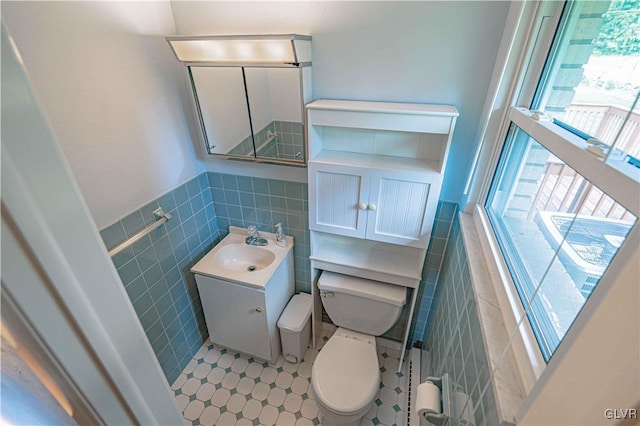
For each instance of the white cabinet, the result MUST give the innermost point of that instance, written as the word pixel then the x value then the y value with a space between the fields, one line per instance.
pixel 376 168
pixel 375 174
pixel 243 318
pixel 237 316
pixel 378 204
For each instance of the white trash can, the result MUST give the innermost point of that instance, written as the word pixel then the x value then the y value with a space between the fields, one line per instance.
pixel 295 327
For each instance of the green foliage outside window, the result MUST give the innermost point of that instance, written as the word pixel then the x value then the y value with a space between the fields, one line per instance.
pixel 620 32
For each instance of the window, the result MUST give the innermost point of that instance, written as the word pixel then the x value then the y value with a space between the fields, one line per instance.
pixel 592 79
pixel 558 232
pixel 562 201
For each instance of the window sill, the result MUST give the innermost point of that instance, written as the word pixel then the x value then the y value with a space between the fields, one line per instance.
pixel 506 378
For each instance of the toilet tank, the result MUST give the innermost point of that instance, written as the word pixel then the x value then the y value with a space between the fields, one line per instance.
pixel 358 304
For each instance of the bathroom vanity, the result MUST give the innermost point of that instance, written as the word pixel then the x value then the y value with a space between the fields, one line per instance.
pixel 244 289
pixel 375 174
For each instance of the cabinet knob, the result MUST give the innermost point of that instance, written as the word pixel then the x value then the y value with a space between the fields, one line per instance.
pixel 258 309
pixel 372 207
pixel 362 206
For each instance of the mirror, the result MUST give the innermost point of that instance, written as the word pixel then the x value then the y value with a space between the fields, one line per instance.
pixel 251 112
pixel 275 103
pixel 222 107
pixel 249 92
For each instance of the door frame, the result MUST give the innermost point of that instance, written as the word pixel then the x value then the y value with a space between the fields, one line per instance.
pixel 58 273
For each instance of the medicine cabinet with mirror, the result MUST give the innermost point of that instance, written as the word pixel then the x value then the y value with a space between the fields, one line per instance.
pixel 249 93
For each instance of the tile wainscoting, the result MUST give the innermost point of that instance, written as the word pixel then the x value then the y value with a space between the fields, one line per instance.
pixel 422 320
pixel 455 341
pixel 155 270
pixel 243 201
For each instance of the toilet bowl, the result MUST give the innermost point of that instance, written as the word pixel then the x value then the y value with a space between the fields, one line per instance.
pixel 345 376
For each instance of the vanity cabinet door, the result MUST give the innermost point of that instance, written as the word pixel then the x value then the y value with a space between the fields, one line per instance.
pixel 340 194
pixel 401 207
pixel 237 316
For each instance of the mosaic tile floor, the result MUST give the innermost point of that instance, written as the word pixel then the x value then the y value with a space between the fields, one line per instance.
pixel 221 387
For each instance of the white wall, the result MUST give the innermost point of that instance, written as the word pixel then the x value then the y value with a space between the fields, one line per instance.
pixel 431 52
pixel 286 93
pixel 114 95
pixel 274 94
pixel 259 98
pixel 120 105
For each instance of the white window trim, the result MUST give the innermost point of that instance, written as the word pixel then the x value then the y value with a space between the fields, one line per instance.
pixel 528 37
pixel 525 347
pixel 507 383
pixel 613 177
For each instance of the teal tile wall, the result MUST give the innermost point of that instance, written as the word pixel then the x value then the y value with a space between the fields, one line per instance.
pixel 445 213
pixel 269 149
pixel 290 139
pixel 243 148
pixel 155 270
pixel 287 144
pixel 266 146
pixel 243 201
pixel 454 336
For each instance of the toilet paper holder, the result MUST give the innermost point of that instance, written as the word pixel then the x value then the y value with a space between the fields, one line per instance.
pixel 443 383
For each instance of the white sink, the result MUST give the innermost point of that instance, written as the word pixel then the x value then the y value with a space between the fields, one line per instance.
pixel 243 257
pixel 233 260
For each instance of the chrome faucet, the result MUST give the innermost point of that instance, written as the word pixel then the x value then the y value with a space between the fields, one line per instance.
pixel 254 238
pixel 281 239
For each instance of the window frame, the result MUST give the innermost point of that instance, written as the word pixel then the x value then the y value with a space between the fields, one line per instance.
pixel 520 69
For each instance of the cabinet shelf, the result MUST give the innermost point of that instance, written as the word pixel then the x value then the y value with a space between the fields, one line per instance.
pixel 368 259
pixel 386 107
pixel 384 162
pixel 404 117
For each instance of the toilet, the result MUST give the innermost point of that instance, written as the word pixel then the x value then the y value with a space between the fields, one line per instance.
pixel 345 377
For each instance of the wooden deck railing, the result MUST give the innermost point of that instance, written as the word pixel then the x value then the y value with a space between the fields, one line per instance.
pixel 564 190
pixel 604 122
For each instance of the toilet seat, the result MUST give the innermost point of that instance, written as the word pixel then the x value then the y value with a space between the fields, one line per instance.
pixel 345 376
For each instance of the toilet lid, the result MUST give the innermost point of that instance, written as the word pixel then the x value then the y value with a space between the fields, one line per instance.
pixel 345 375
